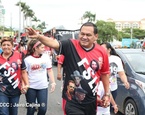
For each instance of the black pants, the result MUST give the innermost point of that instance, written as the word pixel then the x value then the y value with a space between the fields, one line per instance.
pixel 80 109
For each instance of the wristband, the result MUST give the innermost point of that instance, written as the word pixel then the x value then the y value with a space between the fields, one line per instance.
pixel 107 94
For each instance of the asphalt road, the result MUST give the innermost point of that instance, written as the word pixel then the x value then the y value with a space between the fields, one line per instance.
pixel 54 101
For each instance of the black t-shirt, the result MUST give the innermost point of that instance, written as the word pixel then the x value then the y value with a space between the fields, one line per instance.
pixel 10 74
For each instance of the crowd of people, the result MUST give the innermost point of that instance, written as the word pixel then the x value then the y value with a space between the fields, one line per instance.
pixel 89 73
pixel 24 70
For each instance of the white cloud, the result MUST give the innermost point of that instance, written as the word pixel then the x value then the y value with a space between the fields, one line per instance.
pixel 66 12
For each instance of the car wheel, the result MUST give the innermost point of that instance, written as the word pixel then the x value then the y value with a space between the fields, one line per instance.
pixel 130 108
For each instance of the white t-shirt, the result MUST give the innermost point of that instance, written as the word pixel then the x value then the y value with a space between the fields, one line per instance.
pixel 115 67
pixel 102 110
pixel 37 71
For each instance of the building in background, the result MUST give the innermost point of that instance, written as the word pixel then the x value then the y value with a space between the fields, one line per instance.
pixel 120 25
pixel 2 13
pixel 2 18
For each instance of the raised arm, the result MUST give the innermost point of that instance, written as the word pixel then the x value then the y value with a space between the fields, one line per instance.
pixel 50 42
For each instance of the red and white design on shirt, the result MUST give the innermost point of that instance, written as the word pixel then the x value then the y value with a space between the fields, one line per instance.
pixel 60 59
pixel 79 59
pixel 10 73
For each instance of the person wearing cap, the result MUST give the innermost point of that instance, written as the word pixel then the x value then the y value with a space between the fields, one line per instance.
pixel 78 55
pixel 80 94
pixel 77 78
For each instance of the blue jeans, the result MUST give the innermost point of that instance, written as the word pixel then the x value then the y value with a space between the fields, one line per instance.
pixel 114 94
pixel 8 105
pixel 41 96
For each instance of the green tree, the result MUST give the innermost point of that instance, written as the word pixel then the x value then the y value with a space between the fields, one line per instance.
pixel 119 36
pixel 88 15
pixel 35 19
pixel 106 31
pixel 138 33
pixel 27 12
pixel 22 5
pixel 24 10
pixel 41 26
pixel 29 15
pixel 4 28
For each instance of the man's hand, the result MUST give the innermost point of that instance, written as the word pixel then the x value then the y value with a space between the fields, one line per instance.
pixel 106 100
pixel 24 89
pixel 59 76
pixel 31 33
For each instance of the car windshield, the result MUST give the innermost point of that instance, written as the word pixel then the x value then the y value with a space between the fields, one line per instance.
pixel 137 62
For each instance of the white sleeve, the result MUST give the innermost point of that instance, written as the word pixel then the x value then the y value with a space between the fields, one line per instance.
pixel 26 63
pixel 120 66
pixel 48 61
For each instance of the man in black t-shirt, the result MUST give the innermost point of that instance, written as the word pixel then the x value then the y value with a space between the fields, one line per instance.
pixel 78 56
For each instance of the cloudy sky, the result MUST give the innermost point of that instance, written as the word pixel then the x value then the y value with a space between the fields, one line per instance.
pixel 68 12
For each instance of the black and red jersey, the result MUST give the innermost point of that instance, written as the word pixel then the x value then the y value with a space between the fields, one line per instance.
pixel 60 59
pixel 78 68
pixel 10 74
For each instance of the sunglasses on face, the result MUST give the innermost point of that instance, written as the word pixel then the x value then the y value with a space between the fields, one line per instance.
pixel 71 87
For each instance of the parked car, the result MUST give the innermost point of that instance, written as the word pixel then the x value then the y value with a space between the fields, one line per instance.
pixel 132 101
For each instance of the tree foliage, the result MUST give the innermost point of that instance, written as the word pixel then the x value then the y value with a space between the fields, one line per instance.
pixel 89 16
pixel 106 31
pixel 27 12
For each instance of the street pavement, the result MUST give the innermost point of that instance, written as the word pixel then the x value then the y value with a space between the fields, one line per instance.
pixel 54 100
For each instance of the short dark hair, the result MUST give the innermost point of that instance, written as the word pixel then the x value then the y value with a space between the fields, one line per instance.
pixel 70 81
pixel 7 39
pixel 91 24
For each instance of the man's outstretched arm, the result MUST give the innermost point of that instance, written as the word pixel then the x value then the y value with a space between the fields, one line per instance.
pixel 50 42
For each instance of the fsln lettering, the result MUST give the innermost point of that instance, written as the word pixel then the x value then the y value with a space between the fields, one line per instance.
pixel 82 62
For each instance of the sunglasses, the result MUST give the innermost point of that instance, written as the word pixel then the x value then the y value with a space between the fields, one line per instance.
pixel 71 87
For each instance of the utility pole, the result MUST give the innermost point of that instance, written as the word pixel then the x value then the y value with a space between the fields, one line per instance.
pixel 11 24
pixel 131 32
pixel 19 21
